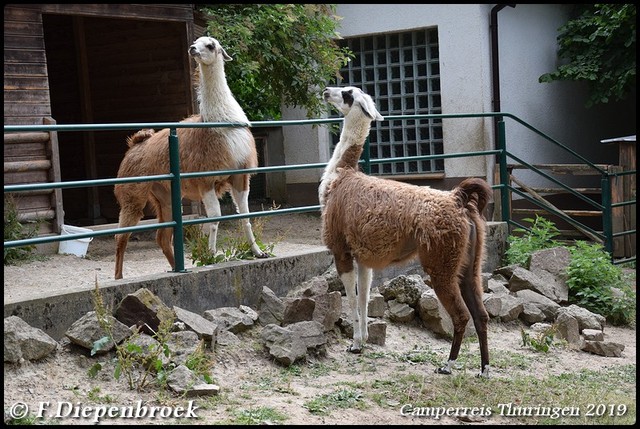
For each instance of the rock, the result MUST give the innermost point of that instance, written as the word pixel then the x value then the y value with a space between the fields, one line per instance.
pixel 183 381
pixel 376 305
pixel 536 307
pixel 400 312
pixel 603 348
pixel 586 319
pixel 145 310
pixel 298 310
pixel 291 343
pixel 22 341
pixel 270 308
pixel 568 328
pixel 232 319
pixel 593 335
pixel 404 289
pixel 205 329
pixel 541 282
pixel 87 330
pixel 327 309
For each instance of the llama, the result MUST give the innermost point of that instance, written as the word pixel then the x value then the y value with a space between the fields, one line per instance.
pixel 379 222
pixel 201 149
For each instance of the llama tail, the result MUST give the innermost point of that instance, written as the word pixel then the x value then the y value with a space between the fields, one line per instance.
pixel 474 194
pixel 139 137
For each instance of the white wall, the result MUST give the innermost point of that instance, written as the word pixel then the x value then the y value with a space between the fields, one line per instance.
pixel 527 49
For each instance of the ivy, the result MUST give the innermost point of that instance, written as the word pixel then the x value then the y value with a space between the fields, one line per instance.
pixel 599 47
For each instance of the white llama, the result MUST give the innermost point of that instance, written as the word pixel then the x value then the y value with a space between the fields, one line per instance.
pixel 201 149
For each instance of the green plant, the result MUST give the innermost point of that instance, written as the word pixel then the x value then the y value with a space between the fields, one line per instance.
pixel 231 248
pixel 258 416
pixel 542 342
pixel 135 362
pixel 15 230
pixel 284 54
pixel 342 398
pixel 592 276
pixel 541 235
pixel 200 363
pixel 599 46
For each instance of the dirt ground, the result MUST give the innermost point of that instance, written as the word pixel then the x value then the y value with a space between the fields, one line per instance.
pixel 252 385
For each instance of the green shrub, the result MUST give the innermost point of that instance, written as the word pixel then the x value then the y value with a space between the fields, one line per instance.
pixel 595 283
pixel 14 230
pixel 592 276
pixel 540 236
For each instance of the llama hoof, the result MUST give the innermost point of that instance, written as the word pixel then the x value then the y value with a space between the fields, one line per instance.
pixel 484 373
pixel 354 350
pixel 443 370
pixel 262 255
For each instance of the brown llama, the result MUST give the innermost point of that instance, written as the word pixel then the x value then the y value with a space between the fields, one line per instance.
pixel 378 222
pixel 200 149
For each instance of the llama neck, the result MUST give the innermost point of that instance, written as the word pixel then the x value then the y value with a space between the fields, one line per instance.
pixel 346 154
pixel 349 148
pixel 217 103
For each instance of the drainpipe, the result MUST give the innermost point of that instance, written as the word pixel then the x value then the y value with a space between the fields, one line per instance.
pixel 495 63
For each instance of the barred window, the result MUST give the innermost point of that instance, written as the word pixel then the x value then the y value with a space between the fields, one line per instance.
pixel 401 72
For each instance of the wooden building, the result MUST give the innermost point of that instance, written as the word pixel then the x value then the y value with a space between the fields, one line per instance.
pixel 88 63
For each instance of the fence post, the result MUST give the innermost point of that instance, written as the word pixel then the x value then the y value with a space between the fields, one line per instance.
pixel 366 156
pixel 176 201
pixel 607 214
pixel 504 173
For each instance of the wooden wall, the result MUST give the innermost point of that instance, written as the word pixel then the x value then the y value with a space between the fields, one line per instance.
pixel 88 63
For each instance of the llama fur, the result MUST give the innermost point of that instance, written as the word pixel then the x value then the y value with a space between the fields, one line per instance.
pixel 200 149
pixel 369 223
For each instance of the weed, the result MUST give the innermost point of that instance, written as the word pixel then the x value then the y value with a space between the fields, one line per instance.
pixel 132 360
pixel 15 230
pixel 540 343
pixel 232 248
pixel 540 236
pixel 342 398
pixel 258 416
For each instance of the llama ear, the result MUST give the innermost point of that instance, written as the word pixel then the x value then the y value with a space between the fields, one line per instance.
pixel 369 107
pixel 225 55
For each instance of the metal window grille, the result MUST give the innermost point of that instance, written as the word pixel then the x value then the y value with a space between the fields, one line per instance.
pixel 401 71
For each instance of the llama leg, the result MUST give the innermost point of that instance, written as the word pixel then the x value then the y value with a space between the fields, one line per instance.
pixel 212 207
pixel 240 195
pixel 471 288
pixel 448 292
pixel 364 285
pixel 130 215
pixel 164 236
pixel 345 269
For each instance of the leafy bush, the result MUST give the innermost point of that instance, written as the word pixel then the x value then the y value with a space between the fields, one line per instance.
pixel 14 230
pixel 591 279
pixel 284 54
pixel 595 283
pixel 540 236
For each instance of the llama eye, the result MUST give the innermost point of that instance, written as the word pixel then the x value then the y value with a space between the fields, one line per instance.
pixel 210 47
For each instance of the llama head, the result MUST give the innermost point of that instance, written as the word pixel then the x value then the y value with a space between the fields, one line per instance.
pixel 349 99
pixel 207 51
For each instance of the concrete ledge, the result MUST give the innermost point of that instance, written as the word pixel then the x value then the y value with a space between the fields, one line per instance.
pixel 198 290
pixel 204 288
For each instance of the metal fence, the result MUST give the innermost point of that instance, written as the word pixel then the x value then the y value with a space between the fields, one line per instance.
pixel 175 176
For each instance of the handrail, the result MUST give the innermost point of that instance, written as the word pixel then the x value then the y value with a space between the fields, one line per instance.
pixel 175 176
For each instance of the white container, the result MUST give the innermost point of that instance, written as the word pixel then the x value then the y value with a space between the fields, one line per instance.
pixel 76 247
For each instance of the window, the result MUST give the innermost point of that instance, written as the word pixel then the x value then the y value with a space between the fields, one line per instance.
pixel 401 71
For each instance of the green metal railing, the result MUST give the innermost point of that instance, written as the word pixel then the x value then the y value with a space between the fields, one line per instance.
pixel 175 176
